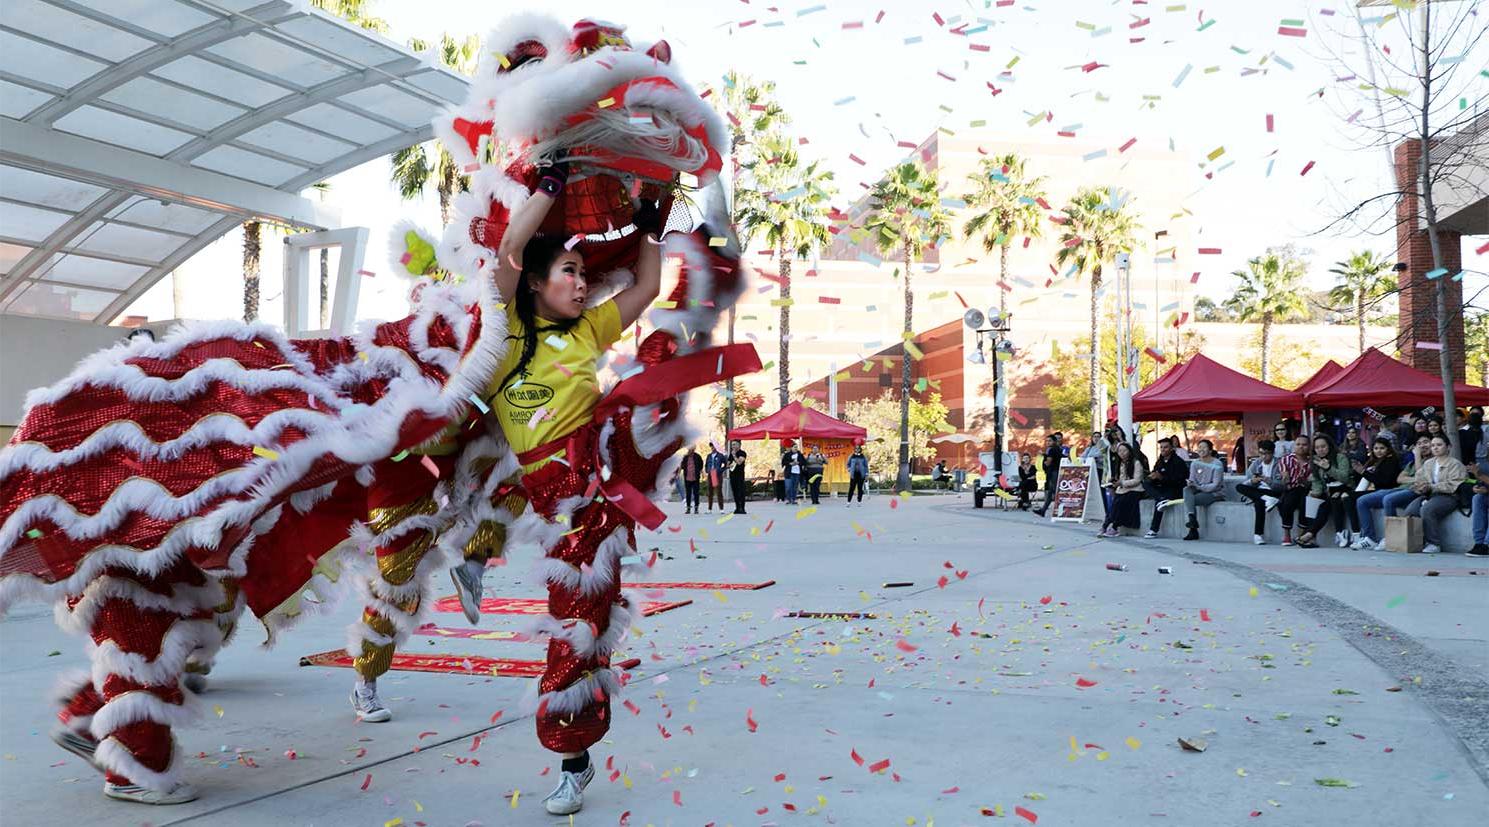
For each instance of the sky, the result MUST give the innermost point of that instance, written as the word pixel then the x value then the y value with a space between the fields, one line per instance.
pixel 1263 117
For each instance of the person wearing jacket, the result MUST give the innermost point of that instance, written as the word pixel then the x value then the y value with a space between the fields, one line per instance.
pixel 1052 456
pixel 1206 484
pixel 1380 474
pixel 816 468
pixel 1436 487
pixel 858 473
pixel 1328 480
pixel 692 471
pixel 1263 487
pixel 1129 473
pixel 714 467
pixel 792 462
pixel 1165 483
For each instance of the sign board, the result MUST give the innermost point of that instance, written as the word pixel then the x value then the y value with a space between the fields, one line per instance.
pixel 1071 485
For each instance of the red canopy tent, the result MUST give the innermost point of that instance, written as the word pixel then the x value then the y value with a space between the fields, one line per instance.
pixel 1377 380
pixel 1202 388
pixel 1320 377
pixel 797 422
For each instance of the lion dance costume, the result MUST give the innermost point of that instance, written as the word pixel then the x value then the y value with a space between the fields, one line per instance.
pixel 163 488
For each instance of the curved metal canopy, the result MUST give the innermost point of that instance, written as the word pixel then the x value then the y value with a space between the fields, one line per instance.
pixel 133 133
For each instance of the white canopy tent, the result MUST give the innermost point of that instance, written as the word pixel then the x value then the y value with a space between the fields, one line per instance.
pixel 135 132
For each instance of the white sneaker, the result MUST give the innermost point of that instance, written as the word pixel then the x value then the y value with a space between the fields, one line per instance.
pixel 1380 545
pixel 179 794
pixel 1150 534
pixel 568 798
pixel 1271 502
pixel 1167 504
pixel 1341 539
pixel 367 706
pixel 467 577
pixel 1258 540
pixel 1361 543
pixel 1430 548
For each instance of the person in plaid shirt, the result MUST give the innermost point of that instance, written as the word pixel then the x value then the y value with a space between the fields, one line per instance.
pixel 1294 470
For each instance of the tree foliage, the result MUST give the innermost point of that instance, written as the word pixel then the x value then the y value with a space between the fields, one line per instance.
pixel 881 416
pixel 1362 279
pixel 1270 292
pixel 1005 201
pixel 415 166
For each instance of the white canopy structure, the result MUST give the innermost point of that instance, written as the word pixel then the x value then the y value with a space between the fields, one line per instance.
pixel 135 132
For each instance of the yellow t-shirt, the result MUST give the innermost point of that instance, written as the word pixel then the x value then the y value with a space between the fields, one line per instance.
pixel 560 381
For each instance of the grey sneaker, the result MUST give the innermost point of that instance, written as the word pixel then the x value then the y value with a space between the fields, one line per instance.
pixel 1150 534
pixel 367 706
pixel 82 746
pixel 569 797
pixel 179 794
pixel 1431 549
pixel 195 682
pixel 467 577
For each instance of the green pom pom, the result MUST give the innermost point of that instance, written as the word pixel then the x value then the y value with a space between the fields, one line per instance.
pixel 420 254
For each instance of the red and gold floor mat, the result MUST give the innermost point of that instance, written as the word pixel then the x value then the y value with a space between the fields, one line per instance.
pixel 537 606
pixel 432 630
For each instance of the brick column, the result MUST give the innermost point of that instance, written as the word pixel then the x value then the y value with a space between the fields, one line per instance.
pixel 1418 319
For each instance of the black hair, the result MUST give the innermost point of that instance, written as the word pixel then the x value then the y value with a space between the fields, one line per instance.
pixel 1266 445
pixel 1209 443
pixel 1390 448
pixel 1134 456
pixel 537 257
pixel 1328 440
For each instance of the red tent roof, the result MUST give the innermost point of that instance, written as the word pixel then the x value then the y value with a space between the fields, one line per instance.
pixel 1202 388
pixel 797 422
pixel 1320 377
pixel 1379 381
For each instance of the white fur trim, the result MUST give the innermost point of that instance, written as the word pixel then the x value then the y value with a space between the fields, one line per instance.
pixel 573 698
pixel 116 758
pixel 141 705
pixel 183 600
pixel 185 637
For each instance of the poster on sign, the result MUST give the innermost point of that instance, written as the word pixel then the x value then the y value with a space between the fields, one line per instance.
pixel 1071 487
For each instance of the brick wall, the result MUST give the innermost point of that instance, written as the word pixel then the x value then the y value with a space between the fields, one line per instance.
pixel 1418 318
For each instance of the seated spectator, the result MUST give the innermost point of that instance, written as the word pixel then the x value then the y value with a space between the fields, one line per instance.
pixel 1131 473
pixel 1263 486
pixel 1436 486
pixel 1028 480
pixel 1380 474
pixel 1401 497
pixel 1282 437
pixel 1480 515
pixel 1296 481
pixel 1165 483
pixel 1329 476
pixel 1471 437
pixel 1354 448
pixel 1206 484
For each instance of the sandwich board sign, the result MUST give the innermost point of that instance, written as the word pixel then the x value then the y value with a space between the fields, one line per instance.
pixel 1072 489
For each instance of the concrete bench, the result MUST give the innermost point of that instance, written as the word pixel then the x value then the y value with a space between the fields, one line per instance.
pixel 1230 520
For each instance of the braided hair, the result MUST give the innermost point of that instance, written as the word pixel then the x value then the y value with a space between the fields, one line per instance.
pixel 537 258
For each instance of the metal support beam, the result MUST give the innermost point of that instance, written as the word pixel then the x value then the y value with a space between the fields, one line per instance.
pixel 352 242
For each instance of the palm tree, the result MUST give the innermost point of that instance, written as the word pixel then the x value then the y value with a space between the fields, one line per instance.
pixel 789 205
pixel 906 215
pixel 1476 343
pixel 1363 277
pixel 1007 200
pixel 1270 293
pixel 1097 226
pixel 253 246
pixel 412 168
pixel 750 112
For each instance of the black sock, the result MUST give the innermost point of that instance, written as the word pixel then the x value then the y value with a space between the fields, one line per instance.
pixel 576 765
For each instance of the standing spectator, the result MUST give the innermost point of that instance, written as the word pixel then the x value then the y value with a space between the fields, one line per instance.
pixel 1406 434
pixel 1094 449
pixel 1165 483
pixel 1206 485
pixel 1434 427
pixel 1178 446
pixel 1052 456
pixel 1028 480
pixel 1388 432
pixel 1328 482
pixel 737 484
pixel 1130 473
pixel 1480 515
pixel 1263 486
pixel 714 466
pixel 1471 437
pixel 1380 474
pixel 1106 466
pixel 1354 448
pixel 791 463
pixel 816 467
pixel 692 470
pixel 858 473
pixel 1296 480
pixel 1282 437
pixel 1436 486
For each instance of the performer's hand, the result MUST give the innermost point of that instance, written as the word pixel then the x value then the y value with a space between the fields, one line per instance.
pixel 648 218
pixel 552 177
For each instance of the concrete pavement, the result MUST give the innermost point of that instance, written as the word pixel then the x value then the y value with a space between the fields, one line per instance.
pixel 1033 678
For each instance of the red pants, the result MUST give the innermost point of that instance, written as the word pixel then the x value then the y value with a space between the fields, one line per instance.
pixel 143 630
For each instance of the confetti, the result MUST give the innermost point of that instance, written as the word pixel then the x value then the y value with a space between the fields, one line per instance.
pixel 1028 814
pixel 266 453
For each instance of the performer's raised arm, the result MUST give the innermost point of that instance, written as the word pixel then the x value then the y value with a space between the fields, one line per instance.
pixel 524 224
pixel 634 300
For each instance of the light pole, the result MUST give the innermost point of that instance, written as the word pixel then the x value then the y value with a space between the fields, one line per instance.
pixel 992 328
